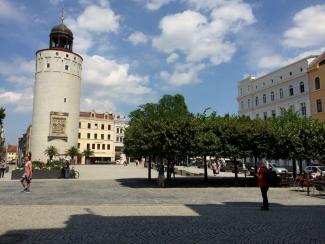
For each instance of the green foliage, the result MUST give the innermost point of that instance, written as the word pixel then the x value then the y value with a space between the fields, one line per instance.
pixel 47 166
pixel 167 130
pixel 72 152
pixel 2 115
pixel 87 153
pixel 51 151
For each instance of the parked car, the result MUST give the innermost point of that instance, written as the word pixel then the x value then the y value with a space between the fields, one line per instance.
pixel 277 169
pixel 315 169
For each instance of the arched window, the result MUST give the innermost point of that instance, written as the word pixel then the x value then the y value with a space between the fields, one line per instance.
pixel 317 83
pixel 256 101
pixel 291 90
pixel 264 98
pixel 302 87
pixel 272 96
pixel 281 93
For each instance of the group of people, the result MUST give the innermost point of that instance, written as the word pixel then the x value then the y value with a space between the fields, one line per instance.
pixel 215 166
pixel 161 172
pixel 261 175
pixel 3 168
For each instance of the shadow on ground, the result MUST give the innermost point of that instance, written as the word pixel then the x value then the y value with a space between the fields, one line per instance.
pixel 226 223
pixel 190 182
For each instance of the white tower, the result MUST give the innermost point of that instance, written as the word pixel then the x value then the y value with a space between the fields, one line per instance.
pixel 56 95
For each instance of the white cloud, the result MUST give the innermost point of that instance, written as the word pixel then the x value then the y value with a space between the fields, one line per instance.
pixel 8 11
pixel 56 2
pixel 172 58
pixel 18 71
pixel 153 5
pixel 138 38
pixel 202 38
pixel 108 82
pixel 21 101
pixel 8 97
pixel 98 19
pixel 308 29
pixel 100 105
pixel 276 61
pixel 184 74
pixel 93 21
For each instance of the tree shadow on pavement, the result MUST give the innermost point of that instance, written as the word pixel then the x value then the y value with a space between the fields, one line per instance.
pixel 224 223
pixel 189 182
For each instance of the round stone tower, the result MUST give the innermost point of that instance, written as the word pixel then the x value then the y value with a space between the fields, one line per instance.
pixel 56 103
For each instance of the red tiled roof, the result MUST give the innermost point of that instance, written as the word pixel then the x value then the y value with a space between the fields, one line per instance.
pixel 97 115
pixel 12 149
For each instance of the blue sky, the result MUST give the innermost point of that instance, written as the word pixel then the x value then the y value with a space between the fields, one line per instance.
pixel 135 51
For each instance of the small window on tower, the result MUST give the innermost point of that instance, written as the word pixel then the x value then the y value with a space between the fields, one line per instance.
pixel 48 65
pixel 65 100
pixel 57 54
pixel 67 55
pixel 66 67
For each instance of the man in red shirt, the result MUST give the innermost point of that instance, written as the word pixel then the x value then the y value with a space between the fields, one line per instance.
pixel 26 178
pixel 262 183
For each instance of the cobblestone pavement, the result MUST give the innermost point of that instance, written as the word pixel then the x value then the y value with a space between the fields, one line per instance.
pixel 133 211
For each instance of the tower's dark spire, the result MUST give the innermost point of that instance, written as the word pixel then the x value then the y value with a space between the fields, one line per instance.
pixel 61 36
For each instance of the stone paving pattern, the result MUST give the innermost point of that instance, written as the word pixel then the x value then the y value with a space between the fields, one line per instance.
pixel 129 211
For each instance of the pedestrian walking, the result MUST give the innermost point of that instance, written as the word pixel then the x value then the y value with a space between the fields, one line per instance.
pixel 2 168
pixel 26 178
pixel 214 168
pixel 161 174
pixel 263 184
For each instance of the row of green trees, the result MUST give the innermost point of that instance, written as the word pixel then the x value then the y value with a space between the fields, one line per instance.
pixel 2 117
pixel 167 130
pixel 52 151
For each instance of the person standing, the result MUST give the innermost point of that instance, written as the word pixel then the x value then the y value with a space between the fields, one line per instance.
pixel 26 178
pixel 262 183
pixel 214 168
pixel 2 168
pixel 161 175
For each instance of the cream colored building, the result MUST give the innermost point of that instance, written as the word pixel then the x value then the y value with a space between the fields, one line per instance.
pixel 11 153
pixel 96 132
pixel 120 125
pixel 287 88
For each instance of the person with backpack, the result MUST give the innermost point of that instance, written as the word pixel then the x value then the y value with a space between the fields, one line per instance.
pixel 262 177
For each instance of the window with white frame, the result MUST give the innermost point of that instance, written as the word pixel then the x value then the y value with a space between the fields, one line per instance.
pixel 303 109
pixel 272 96
pixel 302 87
pixel 291 90
pixel 281 93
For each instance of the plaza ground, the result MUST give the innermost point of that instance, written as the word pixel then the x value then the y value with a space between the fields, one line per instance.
pixel 121 207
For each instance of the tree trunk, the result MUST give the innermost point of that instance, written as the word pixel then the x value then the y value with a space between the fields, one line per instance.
pixel 149 168
pixel 236 168
pixel 255 165
pixel 294 168
pixel 300 166
pixel 168 169
pixel 205 168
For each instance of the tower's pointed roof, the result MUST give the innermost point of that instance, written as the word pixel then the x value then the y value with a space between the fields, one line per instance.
pixel 62 28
